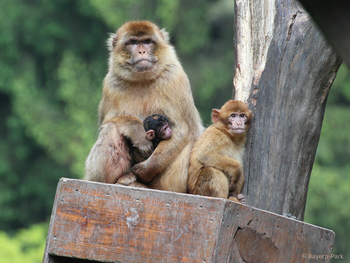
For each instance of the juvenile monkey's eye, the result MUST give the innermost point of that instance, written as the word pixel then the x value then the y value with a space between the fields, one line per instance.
pixel 233 115
pixel 242 115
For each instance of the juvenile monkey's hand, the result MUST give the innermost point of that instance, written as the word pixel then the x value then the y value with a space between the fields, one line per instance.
pixel 242 198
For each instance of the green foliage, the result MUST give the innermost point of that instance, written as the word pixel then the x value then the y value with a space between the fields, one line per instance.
pixel 53 60
pixel 329 187
pixel 326 205
pixel 167 12
pixel 53 63
pixel 49 113
pixel 116 12
pixel 27 245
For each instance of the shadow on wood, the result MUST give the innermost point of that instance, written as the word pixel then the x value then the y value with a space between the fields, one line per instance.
pixel 113 223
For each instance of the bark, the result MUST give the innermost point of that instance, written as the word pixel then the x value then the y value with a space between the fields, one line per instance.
pixel 283 69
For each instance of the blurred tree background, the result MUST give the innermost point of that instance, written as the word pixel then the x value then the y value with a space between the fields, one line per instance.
pixel 53 58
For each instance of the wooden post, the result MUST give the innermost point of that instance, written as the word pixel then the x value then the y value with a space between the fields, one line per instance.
pixel 112 223
pixel 284 69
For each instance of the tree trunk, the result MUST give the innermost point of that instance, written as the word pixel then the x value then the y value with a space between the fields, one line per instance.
pixel 283 69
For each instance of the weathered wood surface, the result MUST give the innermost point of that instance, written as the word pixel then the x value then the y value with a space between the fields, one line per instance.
pixel 284 69
pixel 112 223
pixel 333 17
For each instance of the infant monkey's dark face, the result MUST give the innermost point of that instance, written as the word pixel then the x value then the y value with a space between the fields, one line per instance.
pixel 157 127
pixel 165 132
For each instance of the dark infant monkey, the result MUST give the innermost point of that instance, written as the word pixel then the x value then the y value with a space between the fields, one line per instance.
pixel 157 128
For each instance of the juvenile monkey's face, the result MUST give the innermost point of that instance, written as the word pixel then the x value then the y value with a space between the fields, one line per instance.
pixel 234 115
pixel 238 122
pixel 158 126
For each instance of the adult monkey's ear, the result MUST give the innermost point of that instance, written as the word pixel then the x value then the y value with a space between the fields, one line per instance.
pixel 150 135
pixel 111 41
pixel 165 35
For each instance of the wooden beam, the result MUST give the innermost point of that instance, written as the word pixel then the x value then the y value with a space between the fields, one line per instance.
pixel 113 223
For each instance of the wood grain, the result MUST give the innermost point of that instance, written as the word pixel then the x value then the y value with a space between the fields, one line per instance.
pixel 112 223
pixel 284 69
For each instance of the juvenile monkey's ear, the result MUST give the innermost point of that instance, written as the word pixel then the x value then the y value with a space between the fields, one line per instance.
pixel 215 115
pixel 250 114
pixel 150 135
pixel 112 41
pixel 165 35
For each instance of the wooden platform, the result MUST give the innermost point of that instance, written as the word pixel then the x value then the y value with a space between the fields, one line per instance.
pixel 113 223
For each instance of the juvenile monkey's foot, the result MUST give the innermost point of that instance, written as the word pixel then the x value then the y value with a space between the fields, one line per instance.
pixel 127 179
pixel 240 198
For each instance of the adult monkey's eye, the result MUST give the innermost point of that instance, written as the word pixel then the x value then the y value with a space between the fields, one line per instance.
pixel 147 41
pixel 133 42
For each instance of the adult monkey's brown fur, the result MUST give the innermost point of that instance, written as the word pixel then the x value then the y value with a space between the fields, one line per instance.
pixel 216 160
pixel 145 77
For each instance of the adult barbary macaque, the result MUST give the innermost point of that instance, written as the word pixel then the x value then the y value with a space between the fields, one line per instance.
pixel 216 159
pixel 145 77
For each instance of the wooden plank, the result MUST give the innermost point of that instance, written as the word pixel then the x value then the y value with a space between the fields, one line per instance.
pixel 107 222
pixel 112 223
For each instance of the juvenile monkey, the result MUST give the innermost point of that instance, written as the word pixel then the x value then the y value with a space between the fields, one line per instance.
pixel 216 159
pixel 157 128
pixel 144 77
